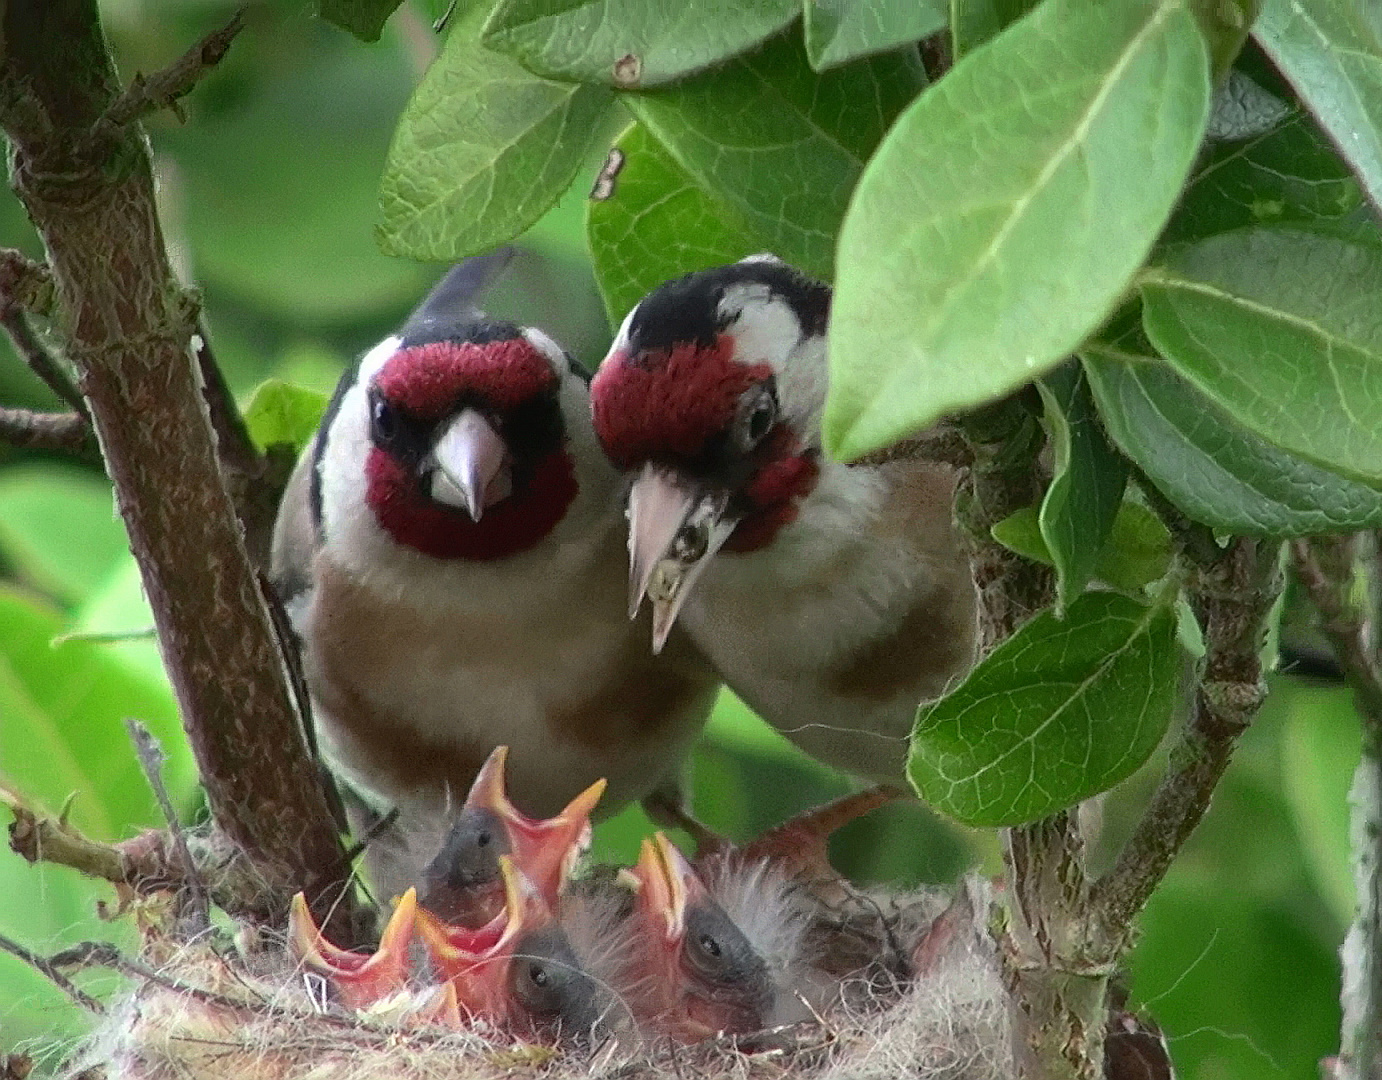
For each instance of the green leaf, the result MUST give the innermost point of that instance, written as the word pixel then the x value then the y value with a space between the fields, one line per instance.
pixel 1021 532
pixel 653 223
pixel 1137 553
pixel 58 528
pixel 1283 329
pixel 838 31
pixel 1288 174
pixel 483 149
pixel 1062 710
pixel 1214 469
pixel 780 145
pixel 62 712
pixel 1225 25
pixel 1320 748
pixel 1333 59
pixel 363 18
pixel 279 412
pixel 1086 490
pixel 973 22
pixel 1001 219
pixel 629 43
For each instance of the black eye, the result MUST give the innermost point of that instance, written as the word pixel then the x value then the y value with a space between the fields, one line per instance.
pixel 757 415
pixel 710 946
pixel 383 422
pixel 538 974
pixel 761 419
pixel 483 839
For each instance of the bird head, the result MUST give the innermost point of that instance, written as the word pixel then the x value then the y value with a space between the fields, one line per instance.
pixel 451 437
pixel 711 398
pixel 358 980
pixel 462 884
pixel 518 970
pixel 697 973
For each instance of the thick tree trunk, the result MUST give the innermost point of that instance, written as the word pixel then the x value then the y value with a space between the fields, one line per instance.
pixel 83 172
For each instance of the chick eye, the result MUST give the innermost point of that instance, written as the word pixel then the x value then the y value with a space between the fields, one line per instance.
pixel 710 946
pixel 383 422
pixel 538 975
pixel 483 840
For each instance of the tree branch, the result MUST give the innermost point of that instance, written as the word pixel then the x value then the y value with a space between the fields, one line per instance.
pixel 67 432
pixel 1327 567
pixel 82 169
pixel 49 970
pixel 40 361
pixel 147 864
pixel 164 89
pixel 1232 597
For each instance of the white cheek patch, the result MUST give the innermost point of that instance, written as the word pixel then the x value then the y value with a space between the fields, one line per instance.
pixel 345 514
pixel 764 326
pixel 556 355
pixel 375 359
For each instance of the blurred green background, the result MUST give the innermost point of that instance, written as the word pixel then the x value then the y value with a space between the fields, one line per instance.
pixel 268 195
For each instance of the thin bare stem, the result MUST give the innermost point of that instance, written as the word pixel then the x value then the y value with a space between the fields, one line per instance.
pixel 1328 567
pixel 1233 597
pixel 40 360
pixel 48 970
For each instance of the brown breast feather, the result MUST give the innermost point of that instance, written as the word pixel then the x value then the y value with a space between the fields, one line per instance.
pixel 934 642
pixel 636 698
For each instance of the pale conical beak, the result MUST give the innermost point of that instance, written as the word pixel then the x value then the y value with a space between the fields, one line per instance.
pixel 472 465
pixel 674 532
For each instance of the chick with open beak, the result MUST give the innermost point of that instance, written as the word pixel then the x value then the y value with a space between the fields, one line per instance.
pixel 357 980
pixel 517 972
pixel 696 973
pixel 462 884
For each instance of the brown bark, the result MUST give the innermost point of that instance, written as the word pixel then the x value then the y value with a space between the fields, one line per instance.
pixel 80 164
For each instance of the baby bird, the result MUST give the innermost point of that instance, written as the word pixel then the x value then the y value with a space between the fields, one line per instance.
pixel 462 884
pixel 449 551
pixel 832 598
pixel 676 964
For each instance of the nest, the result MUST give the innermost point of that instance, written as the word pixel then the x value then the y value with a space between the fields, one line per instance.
pixel 209 1010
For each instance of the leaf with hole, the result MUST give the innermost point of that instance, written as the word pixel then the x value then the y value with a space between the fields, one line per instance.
pixel 1211 467
pixel 631 43
pixel 1059 712
pixel 652 223
pixel 1086 490
pixel 779 145
pixel 1002 218
pixel 838 31
pixel 483 149
pixel 1283 330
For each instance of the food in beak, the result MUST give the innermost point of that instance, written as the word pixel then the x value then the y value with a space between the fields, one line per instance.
pixel 674 532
